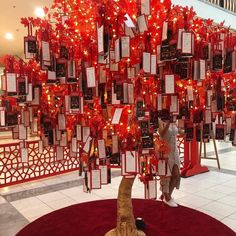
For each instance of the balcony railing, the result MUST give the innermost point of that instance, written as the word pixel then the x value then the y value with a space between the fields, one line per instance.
pixel 229 5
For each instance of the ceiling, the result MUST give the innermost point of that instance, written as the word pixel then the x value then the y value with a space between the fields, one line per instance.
pixel 10 13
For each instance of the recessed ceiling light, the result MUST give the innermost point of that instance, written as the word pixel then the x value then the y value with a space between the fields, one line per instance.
pixel 39 12
pixel 9 36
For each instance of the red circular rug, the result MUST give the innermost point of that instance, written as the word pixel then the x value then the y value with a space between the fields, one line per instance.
pixel 98 217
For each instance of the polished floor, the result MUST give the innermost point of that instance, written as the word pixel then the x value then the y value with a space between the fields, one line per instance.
pixel 213 193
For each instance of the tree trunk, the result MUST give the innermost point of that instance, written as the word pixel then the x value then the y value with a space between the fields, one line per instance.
pixel 125 217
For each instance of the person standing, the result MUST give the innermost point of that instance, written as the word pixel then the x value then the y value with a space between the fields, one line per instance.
pixel 168 132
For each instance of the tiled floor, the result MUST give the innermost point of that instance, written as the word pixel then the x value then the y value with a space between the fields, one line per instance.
pixel 213 193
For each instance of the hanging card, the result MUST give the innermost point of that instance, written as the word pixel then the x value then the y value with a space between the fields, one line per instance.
pixel 36 96
pixel 30 47
pixel 61 121
pixel 169 84
pixel 208 119
pixel 71 72
pixel 117 115
pixel 180 32
pixel 2 118
pixel 29 96
pixel 159 54
pixel 174 104
pixel 22 86
pixel 196 68
pixel 59 153
pixel 131 93
pixel 115 147
pixel 187 43
pixel 131 72
pixel 190 93
pixel 130 162
pixel 113 66
pixel 51 76
pixel 202 69
pixel 63 141
pixel 24 154
pixel 220 132
pixel 40 150
pixel 79 132
pixel 164 30
pixel 100 36
pixel 74 145
pixel 151 189
pixel 85 133
pixel 102 75
pixel 117 50
pixel 123 172
pixel 125 47
pixel 129 22
pixel 22 132
pixel 74 103
pixel 145 7
pixel 87 144
pixel 129 32
pixel 11 83
pixel 114 99
pixel 91 79
pixel 45 51
pixel 58 134
pixel 26 115
pixel 146 62
pixel 125 93
pixel 95 179
pixel 101 148
pixel 153 64
pixel 142 24
pixel 3 83
pixel 104 174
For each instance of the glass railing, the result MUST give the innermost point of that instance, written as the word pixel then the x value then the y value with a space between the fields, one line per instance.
pixel 229 5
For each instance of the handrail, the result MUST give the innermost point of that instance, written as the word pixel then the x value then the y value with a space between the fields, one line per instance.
pixel 229 5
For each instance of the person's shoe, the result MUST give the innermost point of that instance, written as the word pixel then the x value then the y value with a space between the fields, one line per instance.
pixel 170 203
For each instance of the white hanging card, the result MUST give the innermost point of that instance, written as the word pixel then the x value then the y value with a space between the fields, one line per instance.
pixel 129 22
pixel 145 7
pixel 142 24
pixel 146 62
pixel 22 132
pixel 202 69
pixel 131 72
pixel 24 154
pixel 61 121
pixel 186 43
pixel 117 50
pixel 125 46
pixel 74 145
pixel 95 179
pixel 164 30
pixel 207 116
pixel 100 35
pixel 104 174
pixel 26 115
pixel 115 147
pixel 101 148
pixel 36 96
pixel 169 84
pixel 29 96
pixel 59 153
pixel 91 79
pixel 180 32
pixel 87 144
pixel 45 51
pixel 79 132
pixel 174 104
pixel 86 133
pixel 63 141
pixel 11 83
pixel 2 117
pixel 117 115
pixel 190 93
pixel 131 93
pixel 130 162
pixel 153 64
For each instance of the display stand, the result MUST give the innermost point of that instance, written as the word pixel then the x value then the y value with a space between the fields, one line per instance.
pixel 204 150
pixel 192 164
